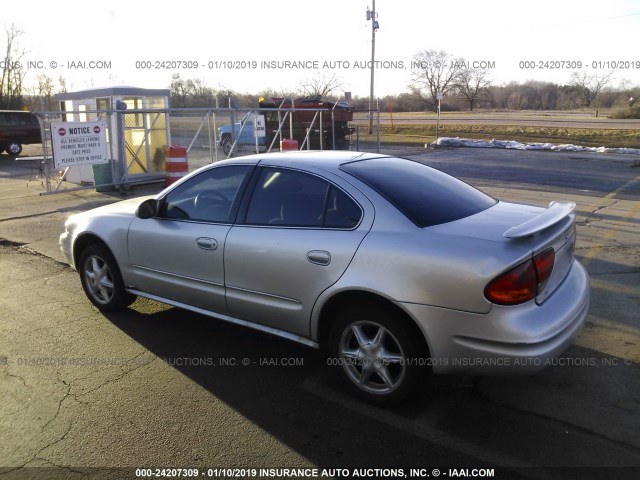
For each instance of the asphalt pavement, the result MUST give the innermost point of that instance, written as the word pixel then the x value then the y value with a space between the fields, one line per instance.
pixel 87 395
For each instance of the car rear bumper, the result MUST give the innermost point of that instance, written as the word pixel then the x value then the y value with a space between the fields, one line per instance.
pixel 508 340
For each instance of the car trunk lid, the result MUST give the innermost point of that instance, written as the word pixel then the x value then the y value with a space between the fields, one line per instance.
pixel 534 228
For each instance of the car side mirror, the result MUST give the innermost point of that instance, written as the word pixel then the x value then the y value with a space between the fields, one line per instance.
pixel 147 209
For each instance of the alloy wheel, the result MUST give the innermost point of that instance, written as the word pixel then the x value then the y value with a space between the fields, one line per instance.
pixel 372 357
pixel 99 279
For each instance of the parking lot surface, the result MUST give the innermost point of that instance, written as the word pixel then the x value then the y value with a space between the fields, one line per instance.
pixel 156 386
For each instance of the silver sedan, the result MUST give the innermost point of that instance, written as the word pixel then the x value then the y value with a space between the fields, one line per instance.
pixel 396 268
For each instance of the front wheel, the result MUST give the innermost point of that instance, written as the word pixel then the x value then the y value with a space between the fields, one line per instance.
pixel 101 279
pixel 226 146
pixel 375 354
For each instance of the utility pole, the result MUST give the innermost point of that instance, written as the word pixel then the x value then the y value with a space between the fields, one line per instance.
pixel 372 15
pixel 439 96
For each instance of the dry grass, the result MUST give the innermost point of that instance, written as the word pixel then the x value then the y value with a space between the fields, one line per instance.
pixel 412 134
pixel 421 133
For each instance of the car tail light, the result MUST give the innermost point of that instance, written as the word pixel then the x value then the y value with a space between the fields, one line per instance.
pixel 522 283
pixel 544 266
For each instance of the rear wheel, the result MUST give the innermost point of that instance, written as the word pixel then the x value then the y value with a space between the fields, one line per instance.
pixel 374 351
pixel 101 279
pixel 13 148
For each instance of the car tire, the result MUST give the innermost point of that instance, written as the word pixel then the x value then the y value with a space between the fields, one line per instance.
pixel 372 350
pixel 226 146
pixel 101 279
pixel 13 148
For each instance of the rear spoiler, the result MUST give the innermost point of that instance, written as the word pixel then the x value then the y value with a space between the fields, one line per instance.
pixel 556 212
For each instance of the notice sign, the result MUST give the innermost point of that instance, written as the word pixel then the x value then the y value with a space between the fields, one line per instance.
pixel 260 128
pixel 78 143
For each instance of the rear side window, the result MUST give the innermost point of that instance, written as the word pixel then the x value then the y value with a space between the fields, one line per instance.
pixel 342 211
pixel 18 119
pixel 423 194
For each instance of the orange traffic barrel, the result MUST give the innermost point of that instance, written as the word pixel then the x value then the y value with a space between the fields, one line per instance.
pixel 176 164
pixel 288 144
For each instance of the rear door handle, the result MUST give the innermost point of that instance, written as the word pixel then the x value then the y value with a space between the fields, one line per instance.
pixel 319 257
pixel 207 243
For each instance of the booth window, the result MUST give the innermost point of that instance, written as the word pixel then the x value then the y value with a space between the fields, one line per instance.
pixel 67 106
pixel 103 103
pixel 134 120
pixel 82 116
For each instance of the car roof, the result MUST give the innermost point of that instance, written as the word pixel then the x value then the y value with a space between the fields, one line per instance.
pixel 326 159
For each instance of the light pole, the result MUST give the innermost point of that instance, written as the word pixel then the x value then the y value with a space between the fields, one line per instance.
pixel 373 16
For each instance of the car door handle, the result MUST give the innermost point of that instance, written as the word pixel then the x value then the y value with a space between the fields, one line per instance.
pixel 319 257
pixel 207 243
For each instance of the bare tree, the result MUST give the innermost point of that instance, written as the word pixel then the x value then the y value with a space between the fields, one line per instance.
pixel 45 85
pixel 276 93
pixel 228 97
pixel 202 94
pixel 588 85
pixel 179 91
pixel 472 84
pixel 39 96
pixel 630 91
pixel 11 72
pixel 435 71
pixel 546 94
pixel 319 86
pixel 62 84
pixel 44 91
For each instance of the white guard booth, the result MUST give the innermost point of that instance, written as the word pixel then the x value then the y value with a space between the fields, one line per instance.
pixel 136 140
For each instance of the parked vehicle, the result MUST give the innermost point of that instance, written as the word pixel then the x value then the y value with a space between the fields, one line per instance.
pixel 18 128
pixel 327 123
pixel 244 132
pixel 391 265
pixel 321 132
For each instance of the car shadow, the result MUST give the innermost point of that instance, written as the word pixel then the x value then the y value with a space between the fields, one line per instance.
pixel 286 389
pixel 274 383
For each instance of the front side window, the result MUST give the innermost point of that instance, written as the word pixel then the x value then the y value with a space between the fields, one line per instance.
pixel 291 198
pixel 211 196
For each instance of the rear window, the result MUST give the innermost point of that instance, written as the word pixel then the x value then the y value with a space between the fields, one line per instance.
pixel 423 194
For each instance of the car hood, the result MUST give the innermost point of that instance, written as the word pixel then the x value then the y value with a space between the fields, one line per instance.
pixel 227 128
pixel 490 224
pixel 124 207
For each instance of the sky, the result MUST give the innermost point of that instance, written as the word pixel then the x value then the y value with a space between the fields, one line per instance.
pixel 242 45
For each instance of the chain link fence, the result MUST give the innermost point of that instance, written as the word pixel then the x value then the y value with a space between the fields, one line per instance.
pixel 215 134
pixel 136 139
